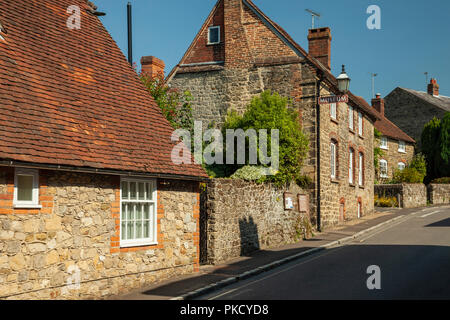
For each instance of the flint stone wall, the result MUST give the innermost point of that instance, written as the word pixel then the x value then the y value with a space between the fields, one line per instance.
pixel 411 195
pixel 439 193
pixel 244 216
pixel 41 253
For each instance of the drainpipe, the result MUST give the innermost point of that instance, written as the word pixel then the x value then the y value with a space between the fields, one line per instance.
pixel 318 85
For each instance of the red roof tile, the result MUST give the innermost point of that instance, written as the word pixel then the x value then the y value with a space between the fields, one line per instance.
pixel 69 97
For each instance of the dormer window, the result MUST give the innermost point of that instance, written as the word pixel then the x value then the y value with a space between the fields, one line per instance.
pixel 214 35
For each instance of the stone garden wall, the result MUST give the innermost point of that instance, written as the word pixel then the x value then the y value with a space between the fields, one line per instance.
pixel 439 193
pixel 409 195
pixel 242 217
pixel 75 237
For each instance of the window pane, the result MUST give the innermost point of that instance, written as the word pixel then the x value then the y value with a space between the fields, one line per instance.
pixel 149 191
pixel 147 229
pixel 24 188
pixel 138 215
pixel 125 190
pixel 124 211
pixel 129 228
pixel 146 208
pixel 141 191
pixel 133 190
pixel 130 215
pixel 138 234
pixel 213 35
pixel 124 231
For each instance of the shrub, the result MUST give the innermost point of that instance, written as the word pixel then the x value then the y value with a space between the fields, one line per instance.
pixel 414 172
pixel 386 202
pixel 270 111
pixel 249 173
pixel 445 180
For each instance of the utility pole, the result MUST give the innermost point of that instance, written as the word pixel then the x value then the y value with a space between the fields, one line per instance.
pixel 373 75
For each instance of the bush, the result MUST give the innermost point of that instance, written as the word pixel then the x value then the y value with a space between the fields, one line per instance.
pixel 270 111
pixel 249 173
pixel 385 202
pixel 445 180
pixel 414 172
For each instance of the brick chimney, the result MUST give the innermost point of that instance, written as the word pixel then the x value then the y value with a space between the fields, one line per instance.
pixel 378 104
pixel 319 42
pixel 152 65
pixel 433 87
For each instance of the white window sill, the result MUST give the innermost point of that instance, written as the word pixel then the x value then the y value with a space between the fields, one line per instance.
pixel 384 148
pixel 142 243
pixel 27 206
pixel 384 176
pixel 401 151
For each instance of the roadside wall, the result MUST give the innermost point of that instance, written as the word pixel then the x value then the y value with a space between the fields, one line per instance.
pixel 244 216
pixel 439 193
pixel 410 195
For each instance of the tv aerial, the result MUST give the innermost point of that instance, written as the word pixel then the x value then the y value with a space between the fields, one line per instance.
pixel 313 15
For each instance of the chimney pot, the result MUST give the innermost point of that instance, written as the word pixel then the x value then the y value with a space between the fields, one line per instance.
pixel 433 87
pixel 152 66
pixel 378 104
pixel 319 42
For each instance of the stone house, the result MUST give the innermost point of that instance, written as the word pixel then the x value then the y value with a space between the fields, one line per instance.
pixel 91 204
pixel 411 110
pixel 397 146
pixel 240 52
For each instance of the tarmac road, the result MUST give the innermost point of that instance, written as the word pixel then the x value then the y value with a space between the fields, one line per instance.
pixel 413 256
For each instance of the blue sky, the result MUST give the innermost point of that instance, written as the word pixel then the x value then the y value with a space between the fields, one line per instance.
pixel 414 36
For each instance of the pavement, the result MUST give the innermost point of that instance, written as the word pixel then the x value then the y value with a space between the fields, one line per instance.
pixel 211 278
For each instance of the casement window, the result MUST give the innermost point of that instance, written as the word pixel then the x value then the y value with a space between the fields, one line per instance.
pixel 383 169
pixel 351 166
pixel 26 188
pixel 360 124
pixel 361 169
pixel 401 146
pixel 333 157
pixel 138 212
pixel 214 35
pixel 350 118
pixel 333 111
pixel 401 165
pixel 384 143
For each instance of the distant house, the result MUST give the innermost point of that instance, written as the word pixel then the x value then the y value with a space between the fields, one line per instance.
pixel 397 146
pixel 91 204
pixel 239 53
pixel 410 110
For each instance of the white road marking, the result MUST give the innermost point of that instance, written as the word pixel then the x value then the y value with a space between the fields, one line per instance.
pixel 429 214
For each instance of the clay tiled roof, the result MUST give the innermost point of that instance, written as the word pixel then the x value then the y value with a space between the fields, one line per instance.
pixel 386 127
pixel 69 97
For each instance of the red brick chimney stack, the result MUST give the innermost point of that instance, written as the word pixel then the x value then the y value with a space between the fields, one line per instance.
pixel 378 104
pixel 319 41
pixel 152 65
pixel 433 87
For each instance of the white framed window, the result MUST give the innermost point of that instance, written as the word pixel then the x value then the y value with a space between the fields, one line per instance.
pixel 401 146
pixel 383 169
pixel 333 111
pixel 384 142
pixel 360 123
pixel 138 223
pixel 350 118
pixel 333 154
pixel 351 159
pixel 214 35
pixel 26 188
pixel 361 169
pixel 401 165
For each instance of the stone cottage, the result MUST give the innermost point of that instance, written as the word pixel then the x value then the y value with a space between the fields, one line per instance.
pixel 238 53
pixel 397 146
pixel 411 110
pixel 91 204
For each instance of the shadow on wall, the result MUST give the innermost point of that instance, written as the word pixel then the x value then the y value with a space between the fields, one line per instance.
pixel 248 232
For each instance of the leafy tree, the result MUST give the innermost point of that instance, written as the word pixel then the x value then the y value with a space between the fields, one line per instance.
pixel 175 106
pixel 436 147
pixel 270 111
pixel 414 172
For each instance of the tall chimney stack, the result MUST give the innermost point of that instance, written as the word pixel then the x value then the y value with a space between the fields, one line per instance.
pixel 319 42
pixel 378 104
pixel 433 87
pixel 152 66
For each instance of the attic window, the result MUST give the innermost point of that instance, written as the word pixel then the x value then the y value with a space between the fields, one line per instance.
pixel 214 35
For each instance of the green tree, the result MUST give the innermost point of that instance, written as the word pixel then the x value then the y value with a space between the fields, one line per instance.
pixel 436 147
pixel 414 172
pixel 270 111
pixel 175 105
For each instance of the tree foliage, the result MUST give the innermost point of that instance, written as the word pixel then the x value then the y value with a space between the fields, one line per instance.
pixel 270 111
pixel 436 147
pixel 414 172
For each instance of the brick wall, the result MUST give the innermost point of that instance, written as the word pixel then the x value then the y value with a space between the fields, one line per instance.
pixel 77 229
